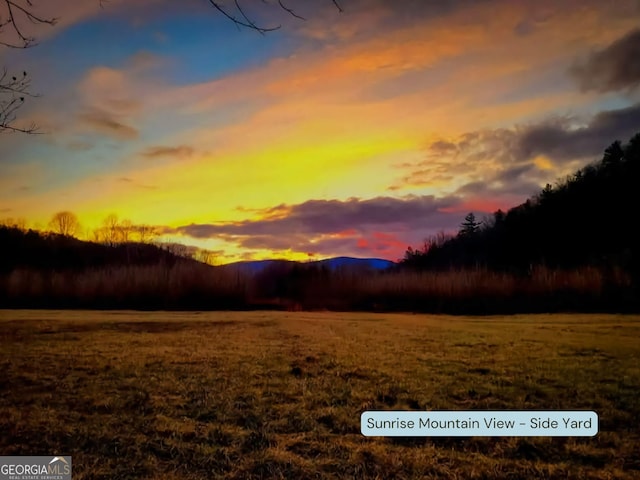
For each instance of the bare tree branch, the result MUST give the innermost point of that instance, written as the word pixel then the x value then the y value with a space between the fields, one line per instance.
pixel 247 23
pixel 14 89
pixel 244 20
pixel 13 9
pixel 289 11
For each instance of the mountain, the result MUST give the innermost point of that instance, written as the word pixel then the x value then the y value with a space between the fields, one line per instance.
pixel 340 262
pixel 257 266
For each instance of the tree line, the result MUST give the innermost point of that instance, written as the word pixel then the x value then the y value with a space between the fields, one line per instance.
pixel 114 241
pixel 112 231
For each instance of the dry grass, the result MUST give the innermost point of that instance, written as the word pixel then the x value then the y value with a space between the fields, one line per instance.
pixel 180 285
pixel 474 291
pixel 460 284
pixel 251 395
pixel 197 287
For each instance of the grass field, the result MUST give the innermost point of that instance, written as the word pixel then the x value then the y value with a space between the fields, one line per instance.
pixel 279 395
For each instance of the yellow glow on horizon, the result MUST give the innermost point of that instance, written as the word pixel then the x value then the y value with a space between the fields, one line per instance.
pixel 233 253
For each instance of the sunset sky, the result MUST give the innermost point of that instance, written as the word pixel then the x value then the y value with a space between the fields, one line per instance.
pixel 349 133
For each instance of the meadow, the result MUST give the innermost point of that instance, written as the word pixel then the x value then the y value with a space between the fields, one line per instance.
pixel 264 394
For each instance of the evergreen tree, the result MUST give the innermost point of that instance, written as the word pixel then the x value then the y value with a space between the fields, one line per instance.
pixel 470 226
pixel 613 154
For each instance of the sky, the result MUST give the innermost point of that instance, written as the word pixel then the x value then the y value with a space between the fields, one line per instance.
pixel 358 131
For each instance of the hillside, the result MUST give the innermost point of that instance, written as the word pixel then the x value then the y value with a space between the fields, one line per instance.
pixel 47 251
pixel 587 219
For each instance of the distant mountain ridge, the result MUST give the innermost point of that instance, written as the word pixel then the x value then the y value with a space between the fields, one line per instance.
pixel 257 266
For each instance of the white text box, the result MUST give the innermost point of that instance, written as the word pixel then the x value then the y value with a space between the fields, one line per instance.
pixel 479 423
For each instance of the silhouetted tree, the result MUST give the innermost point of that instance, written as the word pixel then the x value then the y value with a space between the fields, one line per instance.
pixel 64 223
pixel 19 223
pixel 145 233
pixel 613 154
pixel 470 226
pixel 110 229
pixel 546 193
pixel 125 230
pixel 204 256
pixel 632 151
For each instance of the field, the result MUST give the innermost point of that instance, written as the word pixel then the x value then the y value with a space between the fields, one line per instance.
pixel 252 395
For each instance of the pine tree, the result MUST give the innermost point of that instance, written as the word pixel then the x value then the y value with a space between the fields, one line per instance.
pixel 470 226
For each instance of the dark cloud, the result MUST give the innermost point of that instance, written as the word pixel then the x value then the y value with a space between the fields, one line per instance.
pixel 614 68
pixel 502 165
pixel 323 245
pixel 105 122
pixel 516 173
pixel 507 156
pixel 555 139
pixel 330 216
pixel 180 151
pixel 381 226
pixel 508 193
pixel 515 181
pixel 275 242
pixel 560 142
